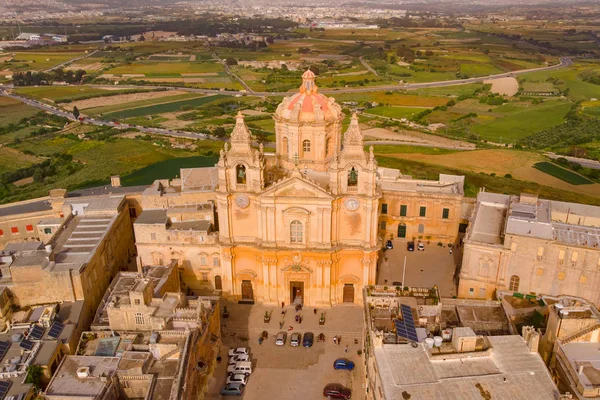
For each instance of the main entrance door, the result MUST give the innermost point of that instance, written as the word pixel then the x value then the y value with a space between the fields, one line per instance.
pixel 297 292
pixel 247 291
pixel 348 294
pixel 401 231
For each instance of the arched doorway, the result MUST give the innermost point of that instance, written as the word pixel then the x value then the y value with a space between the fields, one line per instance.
pixel 348 293
pixel 218 283
pixel 402 230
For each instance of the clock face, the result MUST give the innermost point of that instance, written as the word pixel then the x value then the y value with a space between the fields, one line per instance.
pixel 242 201
pixel 352 204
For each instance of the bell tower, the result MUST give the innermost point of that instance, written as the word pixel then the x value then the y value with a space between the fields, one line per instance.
pixel 353 171
pixel 241 168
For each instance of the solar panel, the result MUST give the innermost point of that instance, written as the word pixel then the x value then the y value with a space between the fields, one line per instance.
pixel 405 328
pixel 4 346
pixel 56 329
pixel 4 386
pixel 26 344
pixel 36 333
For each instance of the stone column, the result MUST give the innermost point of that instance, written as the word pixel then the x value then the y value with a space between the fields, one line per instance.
pixel 228 280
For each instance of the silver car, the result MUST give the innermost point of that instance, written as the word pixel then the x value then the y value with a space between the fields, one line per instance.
pixel 237 378
pixel 280 339
pixel 295 339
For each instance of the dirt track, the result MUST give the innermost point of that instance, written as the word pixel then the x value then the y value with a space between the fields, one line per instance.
pixel 406 136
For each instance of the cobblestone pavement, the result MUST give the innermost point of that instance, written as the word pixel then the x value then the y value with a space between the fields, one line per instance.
pixel 285 372
pixel 434 266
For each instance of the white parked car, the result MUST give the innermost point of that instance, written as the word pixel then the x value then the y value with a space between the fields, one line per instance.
pixel 237 378
pixel 295 339
pixel 239 350
pixel 239 357
pixel 280 339
pixel 421 246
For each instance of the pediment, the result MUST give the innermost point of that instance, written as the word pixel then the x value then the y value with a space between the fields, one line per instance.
pixel 297 188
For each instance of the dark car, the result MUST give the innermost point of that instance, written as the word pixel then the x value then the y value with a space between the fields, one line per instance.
pixel 343 363
pixel 337 391
pixel 389 245
pixel 308 339
pixel 396 283
pixel 410 246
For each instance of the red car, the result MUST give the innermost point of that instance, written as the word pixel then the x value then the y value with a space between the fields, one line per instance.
pixel 337 391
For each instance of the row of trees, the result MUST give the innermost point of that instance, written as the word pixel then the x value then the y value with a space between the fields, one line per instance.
pixel 30 78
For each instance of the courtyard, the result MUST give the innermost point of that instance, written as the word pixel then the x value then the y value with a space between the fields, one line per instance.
pixel 285 372
pixel 434 266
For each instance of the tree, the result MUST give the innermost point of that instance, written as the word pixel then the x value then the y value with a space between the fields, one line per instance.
pixel 34 375
pixel 231 61
pixel 75 112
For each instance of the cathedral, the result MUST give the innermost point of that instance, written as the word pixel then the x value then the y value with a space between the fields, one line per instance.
pixel 304 224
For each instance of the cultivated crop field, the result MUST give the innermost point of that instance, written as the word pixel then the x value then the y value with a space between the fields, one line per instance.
pixel 162 108
pixel 37 61
pixel 562 174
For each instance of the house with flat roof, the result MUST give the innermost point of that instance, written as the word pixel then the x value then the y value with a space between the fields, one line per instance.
pixel 92 244
pixel 570 346
pixel 532 246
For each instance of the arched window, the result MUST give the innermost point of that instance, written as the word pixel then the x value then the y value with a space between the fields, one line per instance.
pixel 352 177
pixel 286 147
pixel 327 146
pixel 306 146
pixel 296 232
pixel 240 174
pixel 514 283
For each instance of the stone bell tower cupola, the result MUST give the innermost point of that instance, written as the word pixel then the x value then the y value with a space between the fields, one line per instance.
pixel 308 127
pixel 241 168
pixel 353 171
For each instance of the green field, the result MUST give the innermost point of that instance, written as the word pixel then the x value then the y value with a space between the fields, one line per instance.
pixel 562 174
pixel 167 68
pixel 11 111
pixel 36 61
pixel 406 149
pixel 162 108
pixel 167 169
pixel 524 122
pixel 396 112
pixel 11 160
pixel 58 92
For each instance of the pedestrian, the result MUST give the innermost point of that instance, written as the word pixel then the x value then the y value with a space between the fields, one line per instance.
pixel 315 311
pixel 282 304
pixel 339 340
pixel 281 325
pixel 335 340
pixel 346 349
pixel 300 319
pixel 297 318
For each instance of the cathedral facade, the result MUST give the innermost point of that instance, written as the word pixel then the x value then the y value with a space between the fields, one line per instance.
pixel 300 225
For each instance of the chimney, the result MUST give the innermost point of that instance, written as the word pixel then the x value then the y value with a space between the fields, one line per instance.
pixel 115 181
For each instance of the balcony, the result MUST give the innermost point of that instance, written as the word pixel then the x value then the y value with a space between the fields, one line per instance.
pixel 352 189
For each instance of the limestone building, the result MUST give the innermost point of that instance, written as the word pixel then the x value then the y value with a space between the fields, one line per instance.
pixel 302 224
pixel 532 246
pixel 91 244
pixel 570 346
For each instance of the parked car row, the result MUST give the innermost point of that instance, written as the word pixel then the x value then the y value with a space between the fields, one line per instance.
pixel 238 371
pixel 295 339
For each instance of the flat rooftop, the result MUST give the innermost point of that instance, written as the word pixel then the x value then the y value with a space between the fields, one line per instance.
pixel 25 208
pixel 497 215
pixel 122 284
pixel 66 382
pixel 510 372
pixel 585 353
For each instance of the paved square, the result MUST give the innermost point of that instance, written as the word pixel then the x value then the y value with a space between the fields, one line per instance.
pixel 434 266
pixel 285 372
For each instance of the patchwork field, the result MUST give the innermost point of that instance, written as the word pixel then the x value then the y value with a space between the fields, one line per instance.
pixel 562 174
pixel 162 108
pixel 122 99
pixel 37 61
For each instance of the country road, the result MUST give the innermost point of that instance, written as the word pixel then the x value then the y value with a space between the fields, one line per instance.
pixel 367 66
pixel 71 61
